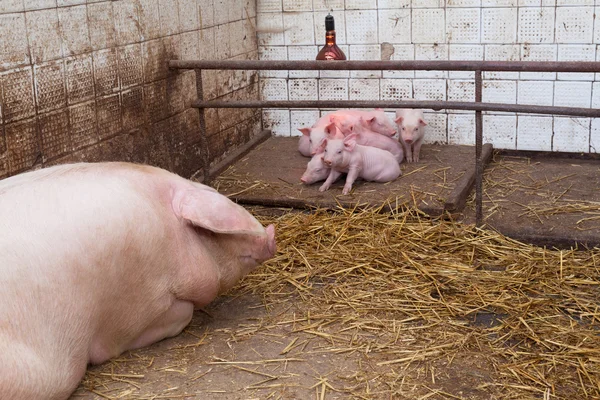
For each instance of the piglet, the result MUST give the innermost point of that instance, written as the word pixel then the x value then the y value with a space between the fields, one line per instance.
pixel 315 137
pixel 375 121
pixel 304 145
pixel 100 258
pixel 366 162
pixel 316 170
pixel 411 125
pixel 366 137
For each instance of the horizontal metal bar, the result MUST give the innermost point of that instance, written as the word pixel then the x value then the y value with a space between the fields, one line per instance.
pixel 426 104
pixel 441 65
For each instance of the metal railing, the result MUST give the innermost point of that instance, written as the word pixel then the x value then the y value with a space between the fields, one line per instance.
pixel 478 67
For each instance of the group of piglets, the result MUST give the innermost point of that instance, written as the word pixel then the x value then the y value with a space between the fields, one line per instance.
pixel 361 144
pixel 100 258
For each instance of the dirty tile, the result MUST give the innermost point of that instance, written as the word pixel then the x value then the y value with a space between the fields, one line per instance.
pixel 108 111
pixel 499 25
pixel 462 25
pixel 535 92
pixel 237 38
pixel 169 17
pixel 11 6
pixel 74 30
pixel 364 27
pixel 102 26
pixel 189 46
pixel 437 128
pixel 364 89
pixel 571 134
pixel 534 133
pixel 23 145
pixel 106 75
pixel 130 65
pixel 430 89
pixel 278 121
pixel 394 26
pixel 54 132
pixel 333 89
pixel 17 95
pixel 236 10
pixel 303 89
pixel 44 35
pixel 274 89
pixel 132 104
pixel 574 24
pixel 461 129
pixel 222 42
pixel 395 89
pixel 149 19
pixel 155 98
pixel 126 22
pixel 38 4
pixel 64 3
pixel 572 94
pixel 80 79
pixel 188 15
pixel 206 43
pixel 50 86
pixel 154 60
pixel 536 25
pixel 206 13
pixel 500 131
pixel 82 119
pixel 14 50
pixel 428 26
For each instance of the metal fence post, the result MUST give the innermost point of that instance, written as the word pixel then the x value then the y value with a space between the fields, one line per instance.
pixel 203 139
pixel 478 146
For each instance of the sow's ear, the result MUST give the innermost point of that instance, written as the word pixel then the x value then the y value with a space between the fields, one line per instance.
pixel 211 210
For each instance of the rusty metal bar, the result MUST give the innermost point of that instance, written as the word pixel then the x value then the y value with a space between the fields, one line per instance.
pixel 202 123
pixel 478 145
pixel 425 104
pixel 440 65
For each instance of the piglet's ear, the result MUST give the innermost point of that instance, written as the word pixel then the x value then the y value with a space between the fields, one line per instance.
pixel 399 120
pixel 349 144
pixel 331 129
pixel 320 147
pixel 422 122
pixel 350 141
pixel 212 211
pixel 305 131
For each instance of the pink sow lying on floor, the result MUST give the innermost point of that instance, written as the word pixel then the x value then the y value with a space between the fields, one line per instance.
pixel 97 259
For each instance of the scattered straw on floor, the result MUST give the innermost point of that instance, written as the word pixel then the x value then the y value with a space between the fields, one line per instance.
pixel 362 304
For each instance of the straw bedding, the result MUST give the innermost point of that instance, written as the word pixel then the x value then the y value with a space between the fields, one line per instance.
pixel 419 303
pixel 452 288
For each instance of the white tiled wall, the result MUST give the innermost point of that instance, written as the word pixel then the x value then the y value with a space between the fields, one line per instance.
pixel 528 30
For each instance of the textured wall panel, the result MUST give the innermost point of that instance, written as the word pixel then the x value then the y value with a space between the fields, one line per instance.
pixel 55 138
pixel 50 86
